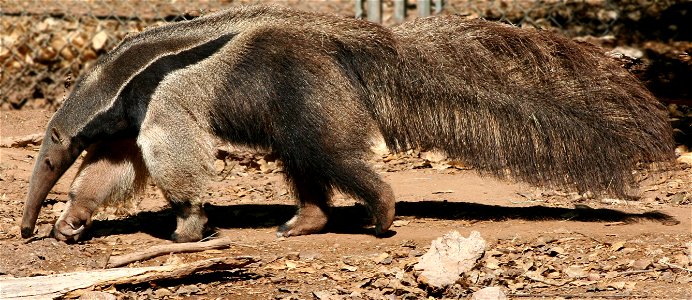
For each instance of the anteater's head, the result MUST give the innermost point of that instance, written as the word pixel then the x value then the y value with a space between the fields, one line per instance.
pixel 88 114
pixel 58 152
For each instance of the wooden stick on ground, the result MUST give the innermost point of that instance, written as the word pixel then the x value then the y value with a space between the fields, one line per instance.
pixel 52 286
pixel 158 250
pixel 21 141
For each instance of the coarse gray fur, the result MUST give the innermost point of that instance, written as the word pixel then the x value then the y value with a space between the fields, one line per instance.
pixel 313 88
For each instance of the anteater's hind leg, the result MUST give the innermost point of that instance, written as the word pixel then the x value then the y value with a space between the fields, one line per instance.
pixel 112 172
pixel 358 180
pixel 351 176
pixel 179 161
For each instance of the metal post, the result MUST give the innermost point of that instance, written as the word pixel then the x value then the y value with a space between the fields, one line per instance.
pixel 423 8
pixel 438 6
pixel 399 11
pixel 375 11
pixel 359 9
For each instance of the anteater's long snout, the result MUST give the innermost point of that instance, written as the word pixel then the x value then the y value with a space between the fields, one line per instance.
pixel 50 165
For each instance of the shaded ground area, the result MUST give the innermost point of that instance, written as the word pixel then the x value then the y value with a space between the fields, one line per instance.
pixel 542 243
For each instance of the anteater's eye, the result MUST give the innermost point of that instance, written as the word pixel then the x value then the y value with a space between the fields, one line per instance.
pixel 49 164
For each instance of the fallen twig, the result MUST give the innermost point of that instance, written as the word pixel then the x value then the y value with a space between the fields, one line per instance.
pixel 674 266
pixel 158 250
pixel 531 276
pixel 22 141
pixel 53 286
pixel 590 237
pixel 635 272
pixel 577 296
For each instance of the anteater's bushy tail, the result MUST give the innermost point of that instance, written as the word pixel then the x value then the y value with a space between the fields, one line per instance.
pixel 523 104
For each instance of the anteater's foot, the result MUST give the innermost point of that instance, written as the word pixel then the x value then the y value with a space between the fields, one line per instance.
pixel 309 219
pixel 68 230
pixel 190 228
pixel 383 210
pixel 73 221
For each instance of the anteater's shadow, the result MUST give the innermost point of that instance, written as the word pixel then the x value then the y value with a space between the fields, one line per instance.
pixel 355 219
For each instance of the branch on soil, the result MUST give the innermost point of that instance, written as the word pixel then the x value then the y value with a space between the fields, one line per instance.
pixel 21 141
pixel 674 266
pixel 158 250
pixel 58 285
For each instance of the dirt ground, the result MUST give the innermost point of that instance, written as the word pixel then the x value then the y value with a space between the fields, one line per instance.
pixel 542 243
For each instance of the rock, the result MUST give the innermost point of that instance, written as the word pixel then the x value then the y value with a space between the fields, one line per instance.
pixel 489 293
pixel 492 263
pixel 99 40
pixel 46 54
pixel 642 264
pixel 682 260
pixel 448 257
pixel 543 240
pixel 94 295
pixel 345 267
pixel 611 201
pixel 628 51
pixel 187 290
pixel 555 251
pixel 400 223
pixel 575 271
pixel 617 246
pixel 162 292
pixel 678 198
pixel 433 156
pixel 292 255
pixel 58 207
pixel 308 255
pixel 219 166
pixel 323 295
pixel 686 158
pixel 383 258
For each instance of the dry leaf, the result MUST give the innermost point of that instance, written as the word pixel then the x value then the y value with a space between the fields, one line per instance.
pixel 291 264
pixel 617 246
pixel 400 223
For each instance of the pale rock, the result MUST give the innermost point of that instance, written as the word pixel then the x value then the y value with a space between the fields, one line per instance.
pixel 94 295
pixel 433 156
pixel 448 257
pixel 489 293
pixel 400 223
pixel 686 158
pixel 383 258
pixel 219 166
pixel 642 264
pixel 323 295
pixel 617 246
pixel 58 207
pixel 575 271
pixel 628 51
pixel 99 40
pixel 162 292
pixel 187 290
pixel 681 260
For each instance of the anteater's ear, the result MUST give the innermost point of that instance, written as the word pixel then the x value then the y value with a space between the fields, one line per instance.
pixel 55 136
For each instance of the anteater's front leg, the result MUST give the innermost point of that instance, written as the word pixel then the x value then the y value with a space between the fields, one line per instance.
pixel 112 172
pixel 177 154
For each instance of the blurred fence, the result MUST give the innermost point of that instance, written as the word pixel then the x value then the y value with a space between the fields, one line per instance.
pixel 46 43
